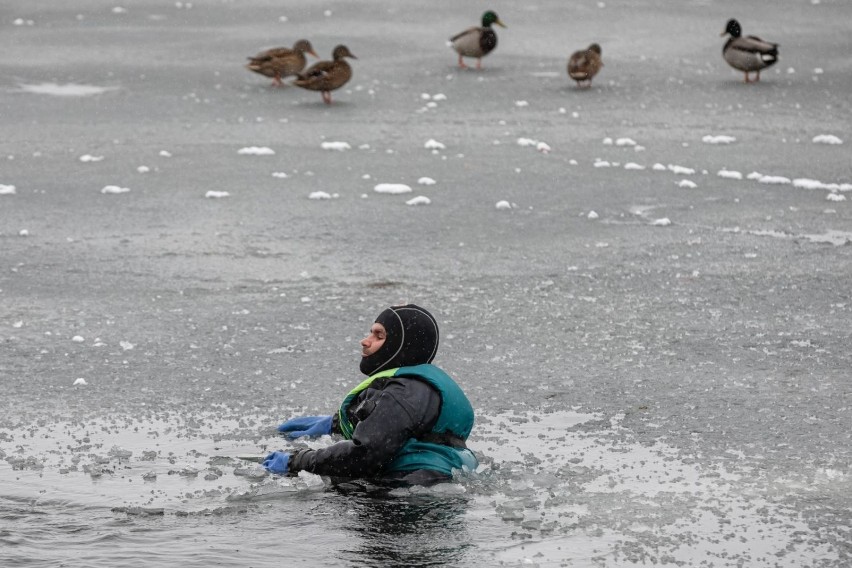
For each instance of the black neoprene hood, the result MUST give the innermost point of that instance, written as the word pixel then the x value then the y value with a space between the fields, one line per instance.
pixel 412 339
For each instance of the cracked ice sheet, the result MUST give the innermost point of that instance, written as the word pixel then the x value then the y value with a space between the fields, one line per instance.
pixel 594 477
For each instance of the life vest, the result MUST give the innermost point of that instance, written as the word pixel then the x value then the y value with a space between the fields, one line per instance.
pixel 443 448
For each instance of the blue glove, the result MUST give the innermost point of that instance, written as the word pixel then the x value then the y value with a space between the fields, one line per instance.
pixel 277 462
pixel 306 426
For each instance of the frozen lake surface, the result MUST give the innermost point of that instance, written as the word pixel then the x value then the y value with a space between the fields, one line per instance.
pixel 644 287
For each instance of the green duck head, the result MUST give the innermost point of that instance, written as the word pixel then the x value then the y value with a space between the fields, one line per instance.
pixel 489 18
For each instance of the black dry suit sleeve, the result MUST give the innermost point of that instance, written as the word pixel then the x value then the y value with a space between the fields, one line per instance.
pixel 405 409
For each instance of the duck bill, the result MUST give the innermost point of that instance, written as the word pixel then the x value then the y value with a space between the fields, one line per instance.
pixel 724 33
pixel 314 53
pixel 501 24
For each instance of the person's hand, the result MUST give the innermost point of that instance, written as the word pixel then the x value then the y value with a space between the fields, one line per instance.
pixel 277 462
pixel 306 426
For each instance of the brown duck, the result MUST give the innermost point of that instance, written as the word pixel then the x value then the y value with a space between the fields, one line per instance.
pixel 281 62
pixel 583 65
pixel 326 76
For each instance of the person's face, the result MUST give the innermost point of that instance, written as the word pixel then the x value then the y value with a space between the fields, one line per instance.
pixel 374 340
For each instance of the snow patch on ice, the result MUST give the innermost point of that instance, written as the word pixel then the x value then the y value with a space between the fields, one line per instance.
pixel 503 205
pixel 256 151
pixel 729 174
pixel 680 170
pixel 720 139
pixel 633 166
pixel 419 200
pixel 216 194
pixel 66 90
pixel 89 158
pixel 426 181
pixel 687 184
pixel 392 188
pixel 774 180
pixel 433 144
pixel 7 189
pixel 319 195
pixel 827 139
pixel 113 189
pixel 336 146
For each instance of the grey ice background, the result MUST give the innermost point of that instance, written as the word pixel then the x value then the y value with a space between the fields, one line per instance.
pixel 725 334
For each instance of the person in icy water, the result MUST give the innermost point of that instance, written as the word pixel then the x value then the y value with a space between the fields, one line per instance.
pixel 407 422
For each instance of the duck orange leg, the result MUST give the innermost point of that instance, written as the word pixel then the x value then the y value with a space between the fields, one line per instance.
pixel 461 63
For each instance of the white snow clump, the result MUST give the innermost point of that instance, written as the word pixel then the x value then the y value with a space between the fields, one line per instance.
pixel 256 151
pixel 392 188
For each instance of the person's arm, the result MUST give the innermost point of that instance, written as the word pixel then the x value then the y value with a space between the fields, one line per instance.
pixel 405 409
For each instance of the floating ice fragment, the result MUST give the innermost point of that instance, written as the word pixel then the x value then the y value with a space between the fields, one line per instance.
pixel 681 170
pixel 601 163
pixel 280 175
pixel 78 339
pixel 126 345
pixel 593 215
pixel 393 188
pixel 256 151
pixel 433 144
pixel 755 175
pixel 119 452
pixel 80 382
pixel 818 71
pixel 337 146
pixel 419 200
pixel 687 184
pixel 804 183
pixel 527 142
pixel 658 167
pixel 664 222
pixel 503 205
pixel 729 174
pixel 18 324
pixel 439 97
pixel 165 154
pixel 607 141
pixel 426 181
pixel 827 139
pixel 24 233
pixel 633 166
pixel 625 142
pixel 143 169
pixel 90 158
pixel 114 189
pixel 720 139
pixel 319 195
pixel 521 104
pixel 774 180
pixel 542 147
pixel 119 10
pixel 835 197
pixel 216 194
pixel 68 90
pixel 7 189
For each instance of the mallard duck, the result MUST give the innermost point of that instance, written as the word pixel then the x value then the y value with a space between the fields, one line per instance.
pixel 583 65
pixel 749 53
pixel 281 62
pixel 477 41
pixel 326 76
